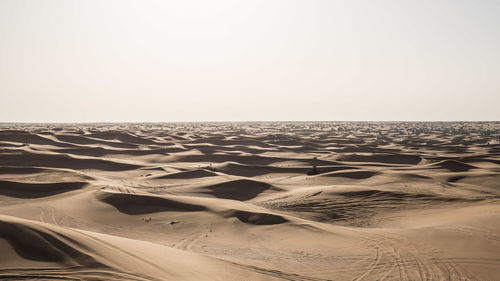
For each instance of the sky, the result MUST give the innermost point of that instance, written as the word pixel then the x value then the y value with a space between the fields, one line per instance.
pixel 199 60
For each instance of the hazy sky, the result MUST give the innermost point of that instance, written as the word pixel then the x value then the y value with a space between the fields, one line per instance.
pixel 86 61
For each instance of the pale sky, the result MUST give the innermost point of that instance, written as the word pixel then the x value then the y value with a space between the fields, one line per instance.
pixel 200 60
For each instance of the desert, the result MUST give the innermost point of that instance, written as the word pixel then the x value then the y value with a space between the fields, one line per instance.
pixel 250 201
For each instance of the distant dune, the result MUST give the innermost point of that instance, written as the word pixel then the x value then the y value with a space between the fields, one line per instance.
pixel 301 201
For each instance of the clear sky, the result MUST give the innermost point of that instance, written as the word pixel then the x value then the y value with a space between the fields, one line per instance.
pixel 199 60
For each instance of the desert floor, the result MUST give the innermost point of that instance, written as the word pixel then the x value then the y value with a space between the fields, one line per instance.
pixel 234 201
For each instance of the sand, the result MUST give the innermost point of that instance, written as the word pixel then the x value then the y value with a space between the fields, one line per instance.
pixel 237 201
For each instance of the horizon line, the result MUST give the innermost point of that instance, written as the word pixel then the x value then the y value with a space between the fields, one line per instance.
pixel 234 121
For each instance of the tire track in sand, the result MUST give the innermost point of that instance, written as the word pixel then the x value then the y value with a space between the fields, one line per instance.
pixel 413 260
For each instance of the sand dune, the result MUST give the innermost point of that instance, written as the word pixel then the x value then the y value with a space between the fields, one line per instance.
pixel 145 204
pixel 242 190
pixel 352 174
pixel 29 159
pixel 383 158
pixel 100 151
pixel 84 140
pixel 30 190
pixel 188 174
pixel 45 251
pixel 454 165
pixel 238 201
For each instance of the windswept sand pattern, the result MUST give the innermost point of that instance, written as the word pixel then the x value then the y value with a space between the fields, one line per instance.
pixel 242 201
